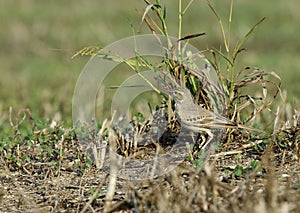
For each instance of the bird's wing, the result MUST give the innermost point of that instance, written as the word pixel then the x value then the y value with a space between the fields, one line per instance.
pixel 215 119
pixel 218 121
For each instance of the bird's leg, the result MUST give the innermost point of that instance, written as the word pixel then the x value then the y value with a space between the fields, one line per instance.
pixel 209 139
pixel 202 144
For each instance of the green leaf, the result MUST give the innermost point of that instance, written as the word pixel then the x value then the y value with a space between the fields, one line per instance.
pixel 225 57
pixel 245 38
pixel 26 157
pixel 19 164
pixel 198 164
pixel 238 170
pixel 140 117
pixel 254 164
pixel 227 171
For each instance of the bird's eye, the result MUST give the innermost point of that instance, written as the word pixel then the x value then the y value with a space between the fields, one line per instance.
pixel 178 95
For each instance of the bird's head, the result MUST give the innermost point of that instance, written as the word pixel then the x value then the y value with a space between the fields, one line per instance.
pixel 178 92
pixel 177 95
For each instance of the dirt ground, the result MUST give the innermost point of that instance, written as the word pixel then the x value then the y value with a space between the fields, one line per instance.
pixel 274 185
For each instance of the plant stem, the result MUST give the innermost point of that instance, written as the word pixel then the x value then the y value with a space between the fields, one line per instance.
pixel 220 24
pixel 187 7
pixel 229 23
pixel 180 14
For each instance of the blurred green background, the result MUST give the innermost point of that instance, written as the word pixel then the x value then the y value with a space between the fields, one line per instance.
pixel 38 38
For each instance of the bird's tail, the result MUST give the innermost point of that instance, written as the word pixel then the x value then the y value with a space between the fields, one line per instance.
pixel 240 126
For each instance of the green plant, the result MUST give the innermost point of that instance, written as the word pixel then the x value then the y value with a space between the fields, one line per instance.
pixel 233 80
pixel 140 117
pixel 231 96
pixel 41 152
pixel 198 163
pixel 227 171
pixel 238 156
pixel 94 193
pixel 239 170
pixel 254 164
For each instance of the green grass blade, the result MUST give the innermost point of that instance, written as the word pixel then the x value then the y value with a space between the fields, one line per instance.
pixel 220 23
pixel 245 38
pixel 225 57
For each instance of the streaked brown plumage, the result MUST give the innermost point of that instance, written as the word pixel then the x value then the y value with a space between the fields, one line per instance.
pixel 196 118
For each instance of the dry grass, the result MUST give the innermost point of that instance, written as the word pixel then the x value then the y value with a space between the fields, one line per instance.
pixel 73 186
pixel 49 172
pixel 44 167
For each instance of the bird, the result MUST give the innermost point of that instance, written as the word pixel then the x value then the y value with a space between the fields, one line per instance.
pixel 194 117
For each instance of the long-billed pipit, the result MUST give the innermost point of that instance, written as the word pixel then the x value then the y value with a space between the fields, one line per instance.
pixel 195 118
